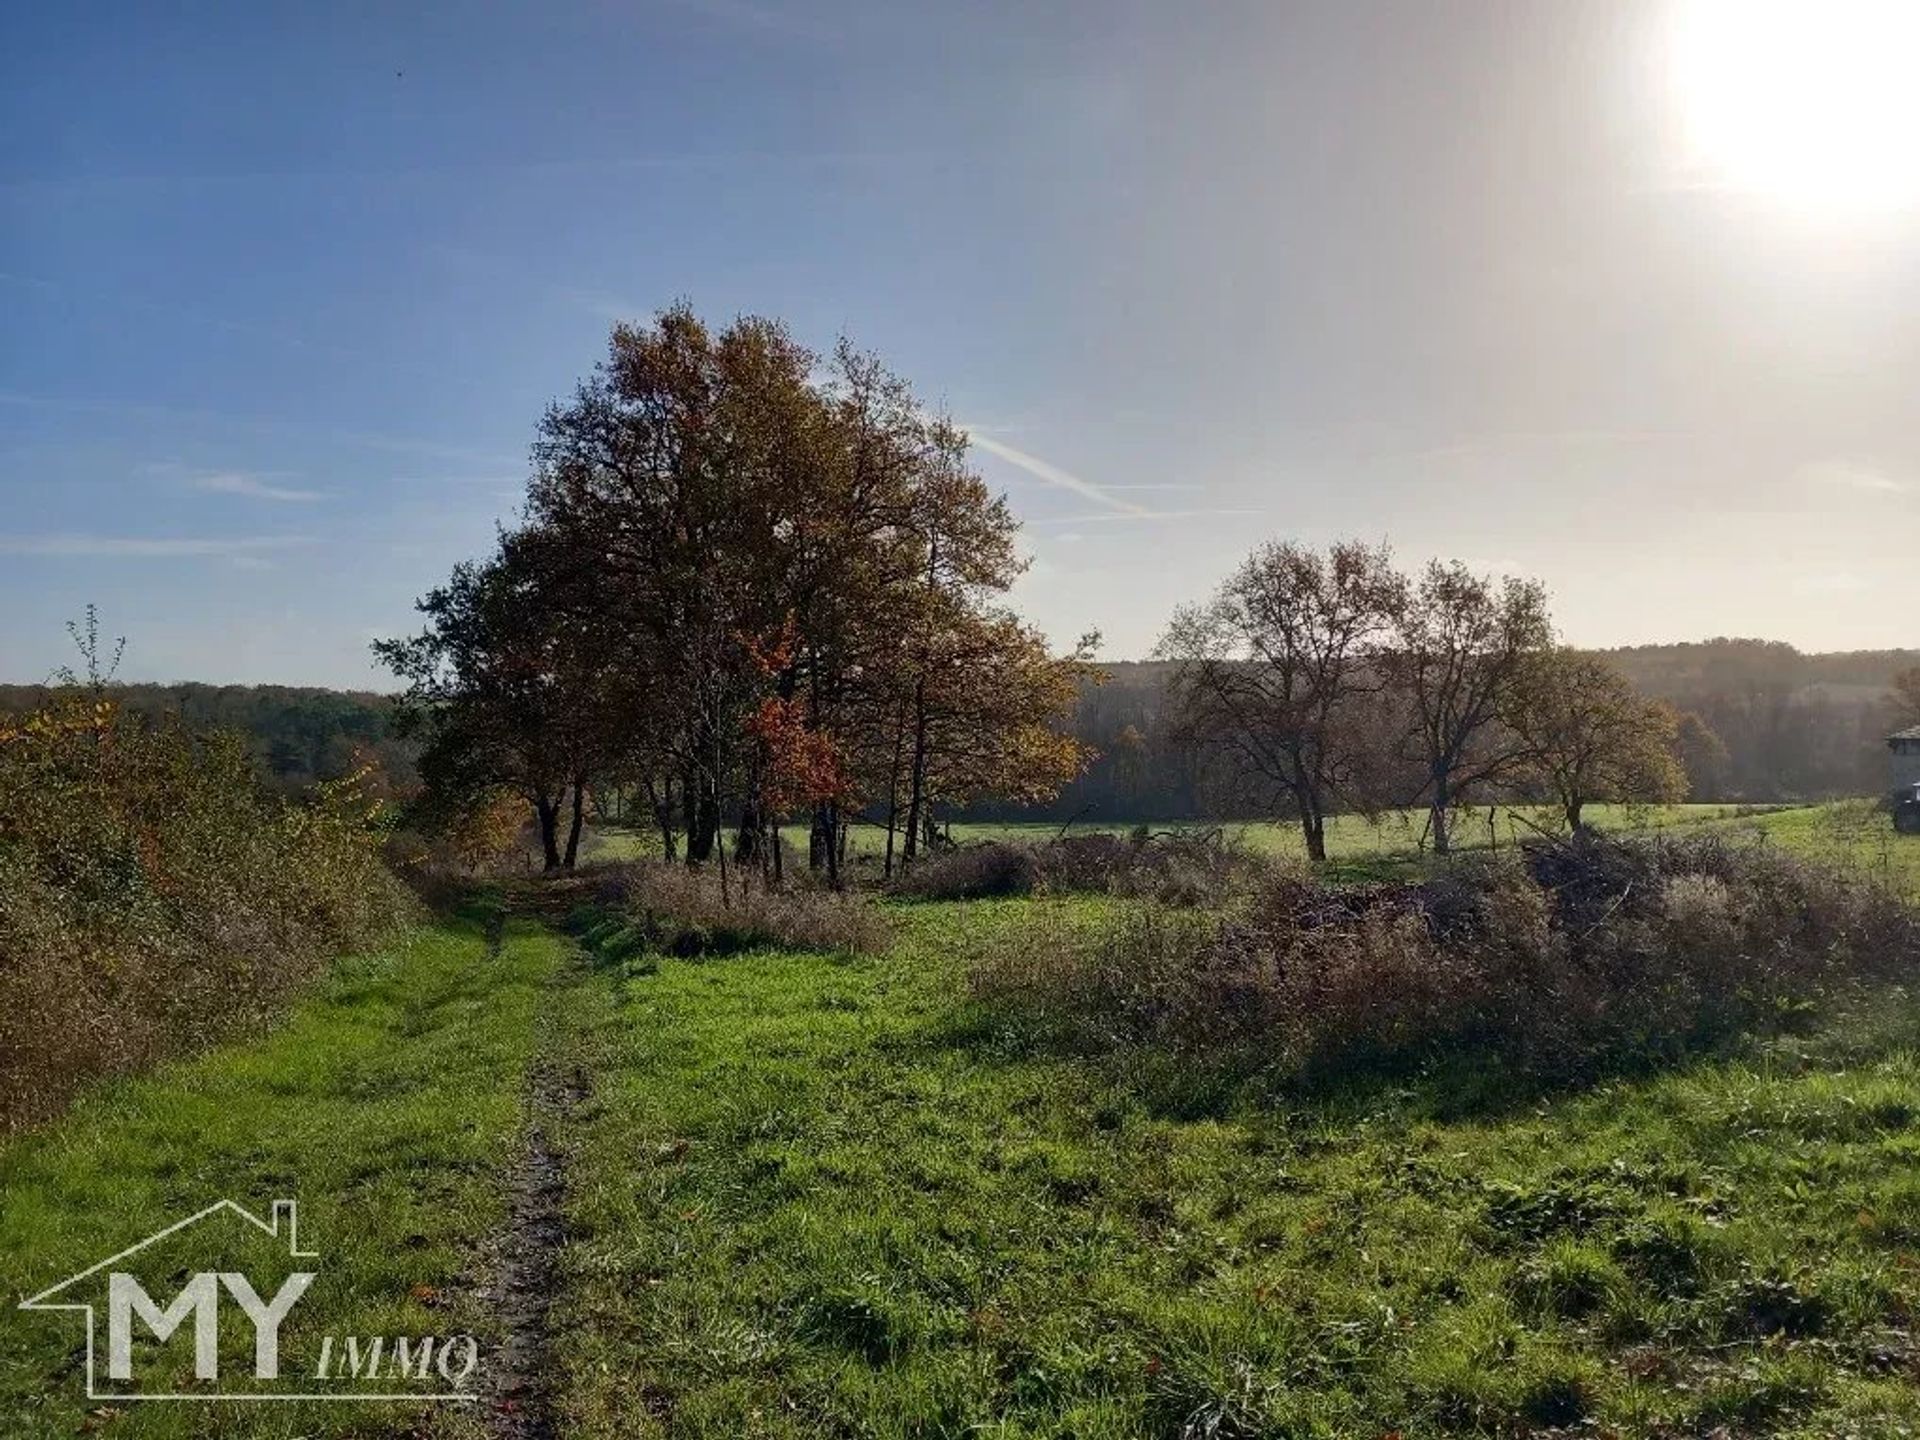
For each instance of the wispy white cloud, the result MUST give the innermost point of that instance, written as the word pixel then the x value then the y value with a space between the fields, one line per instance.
pixel 1853 475
pixel 237 482
pixel 602 303
pixel 148 546
pixel 1053 475
pixel 62 187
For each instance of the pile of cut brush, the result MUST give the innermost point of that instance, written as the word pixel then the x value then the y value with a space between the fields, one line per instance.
pixel 629 915
pixel 1570 957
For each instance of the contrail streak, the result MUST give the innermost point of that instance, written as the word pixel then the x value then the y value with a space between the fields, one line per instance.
pixel 1054 475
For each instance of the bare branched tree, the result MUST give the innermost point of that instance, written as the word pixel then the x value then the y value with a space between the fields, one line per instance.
pixel 1275 666
pixel 1456 646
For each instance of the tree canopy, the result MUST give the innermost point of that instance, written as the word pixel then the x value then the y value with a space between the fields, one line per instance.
pixel 761 584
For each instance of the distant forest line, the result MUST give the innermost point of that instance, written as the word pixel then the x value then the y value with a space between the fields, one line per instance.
pixel 298 734
pixel 1795 726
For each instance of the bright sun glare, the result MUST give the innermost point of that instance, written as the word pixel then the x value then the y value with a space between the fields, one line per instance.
pixel 1814 102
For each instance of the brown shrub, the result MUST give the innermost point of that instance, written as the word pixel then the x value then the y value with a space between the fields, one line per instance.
pixel 973 872
pixel 1583 955
pixel 683 911
pixel 1174 869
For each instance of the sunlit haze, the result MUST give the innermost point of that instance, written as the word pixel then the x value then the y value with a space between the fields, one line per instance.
pixel 1813 104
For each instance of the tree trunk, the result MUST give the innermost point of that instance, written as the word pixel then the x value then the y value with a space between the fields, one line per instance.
pixel 690 807
pixel 662 805
pixel 1313 825
pixel 1574 806
pixel 706 821
pixel 548 812
pixel 893 797
pixel 1441 809
pixel 917 786
pixel 573 830
pixel 747 848
pixel 823 841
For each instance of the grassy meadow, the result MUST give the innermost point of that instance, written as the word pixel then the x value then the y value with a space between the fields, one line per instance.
pixel 1853 833
pixel 812 1194
pixel 827 1197
pixel 388 1104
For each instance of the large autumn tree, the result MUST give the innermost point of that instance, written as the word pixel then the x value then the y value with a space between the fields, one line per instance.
pixel 782 577
pixel 662 478
pixel 987 715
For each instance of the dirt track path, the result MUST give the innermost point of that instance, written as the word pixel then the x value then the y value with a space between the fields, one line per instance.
pixel 525 1269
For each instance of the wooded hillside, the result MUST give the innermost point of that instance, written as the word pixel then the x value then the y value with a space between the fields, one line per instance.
pixel 297 735
pixel 1795 726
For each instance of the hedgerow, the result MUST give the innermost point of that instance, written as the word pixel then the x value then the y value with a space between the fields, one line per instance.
pixel 153 898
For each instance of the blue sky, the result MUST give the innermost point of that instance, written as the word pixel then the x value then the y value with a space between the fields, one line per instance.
pixel 283 290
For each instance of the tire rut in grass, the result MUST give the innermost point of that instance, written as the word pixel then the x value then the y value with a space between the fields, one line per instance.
pixel 526 1269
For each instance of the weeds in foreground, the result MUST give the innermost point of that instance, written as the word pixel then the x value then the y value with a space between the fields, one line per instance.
pixel 805 1211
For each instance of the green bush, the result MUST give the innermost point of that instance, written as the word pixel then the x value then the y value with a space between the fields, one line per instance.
pixel 151 897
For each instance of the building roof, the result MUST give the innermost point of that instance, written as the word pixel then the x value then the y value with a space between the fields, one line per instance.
pixel 1912 733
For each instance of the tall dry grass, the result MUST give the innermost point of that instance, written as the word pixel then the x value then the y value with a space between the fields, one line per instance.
pixel 676 910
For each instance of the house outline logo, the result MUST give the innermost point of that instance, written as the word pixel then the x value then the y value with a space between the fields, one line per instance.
pixel 284 1225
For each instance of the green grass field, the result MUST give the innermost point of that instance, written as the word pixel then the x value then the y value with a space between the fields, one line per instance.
pixel 1348 836
pixel 388 1104
pixel 1853 833
pixel 811 1195
pixel 819 1198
